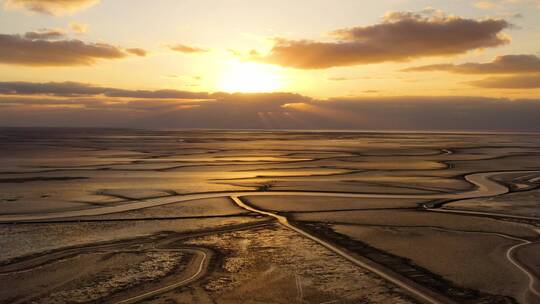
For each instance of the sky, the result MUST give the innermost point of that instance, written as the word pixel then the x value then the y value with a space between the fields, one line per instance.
pixel 253 64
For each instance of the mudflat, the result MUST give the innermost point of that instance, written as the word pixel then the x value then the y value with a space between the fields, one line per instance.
pixel 127 216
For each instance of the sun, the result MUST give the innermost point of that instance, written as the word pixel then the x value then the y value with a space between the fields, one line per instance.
pixel 250 77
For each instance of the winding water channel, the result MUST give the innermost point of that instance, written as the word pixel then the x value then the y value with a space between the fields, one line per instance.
pixel 483 186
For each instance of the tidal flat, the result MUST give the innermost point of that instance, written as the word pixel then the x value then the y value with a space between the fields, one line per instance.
pixel 202 216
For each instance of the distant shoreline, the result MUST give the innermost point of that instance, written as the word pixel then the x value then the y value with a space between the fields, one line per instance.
pixel 468 132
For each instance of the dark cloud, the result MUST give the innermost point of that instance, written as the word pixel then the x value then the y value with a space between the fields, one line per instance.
pixel 187 49
pixel 137 52
pixel 71 89
pixel 270 111
pixel 508 64
pixel 50 88
pixel 509 82
pixel 401 36
pixel 16 49
pixel 157 94
pixel 77 89
pixel 45 34
pixel 94 103
pixel 50 7
pixel 525 70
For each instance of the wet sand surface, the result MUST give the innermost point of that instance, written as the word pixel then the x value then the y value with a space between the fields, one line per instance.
pixel 127 216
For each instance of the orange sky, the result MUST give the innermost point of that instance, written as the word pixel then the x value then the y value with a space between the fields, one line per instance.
pixel 57 54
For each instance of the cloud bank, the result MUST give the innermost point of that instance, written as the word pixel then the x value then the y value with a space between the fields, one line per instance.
pixel 36 49
pixel 509 82
pixel 523 72
pixel 84 105
pixel 508 64
pixel 401 36
pixel 77 89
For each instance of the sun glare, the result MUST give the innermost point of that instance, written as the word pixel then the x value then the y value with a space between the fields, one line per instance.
pixel 249 77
